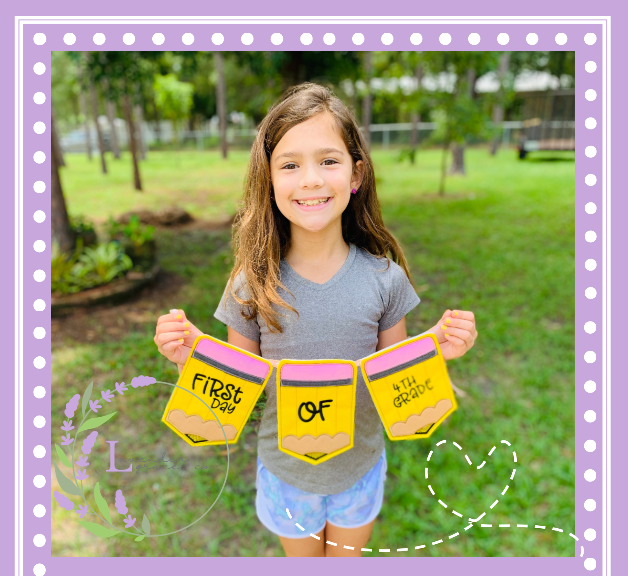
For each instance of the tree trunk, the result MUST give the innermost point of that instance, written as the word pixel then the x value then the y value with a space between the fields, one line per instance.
pixel 498 118
pixel 221 102
pixel 83 107
pixel 443 167
pixel 132 142
pixel 111 115
pixel 110 108
pixel 83 104
pixel 498 110
pixel 457 159
pixel 139 126
pixel 354 99
pixel 101 142
pixel 367 101
pixel 55 140
pixel 60 223
pixel 415 116
pixel 157 118
pixel 457 151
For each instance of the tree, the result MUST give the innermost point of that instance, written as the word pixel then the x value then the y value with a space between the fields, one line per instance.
pixel 83 107
pixel 405 101
pixel 367 101
pixel 101 143
pixel 55 140
pixel 139 115
pixel 124 72
pixel 60 223
pixel 498 107
pixel 173 98
pixel 415 115
pixel 128 114
pixel 110 108
pixel 460 114
pixel 221 102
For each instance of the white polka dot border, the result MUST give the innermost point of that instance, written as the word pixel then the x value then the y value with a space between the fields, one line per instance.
pixel 592 153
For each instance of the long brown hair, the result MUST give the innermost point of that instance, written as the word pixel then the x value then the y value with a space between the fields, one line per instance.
pixel 261 233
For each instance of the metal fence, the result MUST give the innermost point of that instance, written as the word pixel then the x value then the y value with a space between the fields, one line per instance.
pixel 383 136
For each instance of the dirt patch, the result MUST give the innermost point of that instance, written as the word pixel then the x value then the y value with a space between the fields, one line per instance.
pixel 115 321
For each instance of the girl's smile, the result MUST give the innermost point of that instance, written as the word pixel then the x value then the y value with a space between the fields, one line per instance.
pixel 311 205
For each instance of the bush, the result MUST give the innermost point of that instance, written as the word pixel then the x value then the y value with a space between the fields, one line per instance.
pixel 136 239
pixel 136 232
pixel 83 229
pixel 86 268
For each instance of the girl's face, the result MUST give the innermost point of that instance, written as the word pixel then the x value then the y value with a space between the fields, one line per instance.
pixel 313 174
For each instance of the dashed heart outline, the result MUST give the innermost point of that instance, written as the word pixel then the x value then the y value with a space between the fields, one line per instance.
pixel 471 520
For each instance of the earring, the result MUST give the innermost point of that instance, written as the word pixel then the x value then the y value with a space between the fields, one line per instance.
pixel 353 191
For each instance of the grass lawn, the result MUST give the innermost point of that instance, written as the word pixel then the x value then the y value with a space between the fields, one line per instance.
pixel 501 243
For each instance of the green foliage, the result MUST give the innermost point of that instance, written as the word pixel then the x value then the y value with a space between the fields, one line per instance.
pixel 62 456
pixel 86 397
pixel 173 97
pixel 91 423
pixel 86 268
pixel 102 264
pixel 408 154
pixel 62 265
pixel 460 114
pixel 136 232
pixel 81 224
pixel 146 525
pixel 102 503
pixel 98 529
pixel 66 485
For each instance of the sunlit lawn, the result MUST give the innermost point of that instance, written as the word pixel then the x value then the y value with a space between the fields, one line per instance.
pixel 501 243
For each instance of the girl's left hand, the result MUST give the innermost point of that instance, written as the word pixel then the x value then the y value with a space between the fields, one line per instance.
pixel 456 333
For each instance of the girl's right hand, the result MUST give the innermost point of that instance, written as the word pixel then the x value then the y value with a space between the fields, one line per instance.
pixel 175 336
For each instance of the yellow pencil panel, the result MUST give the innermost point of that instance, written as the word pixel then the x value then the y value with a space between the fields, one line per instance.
pixel 218 389
pixel 410 387
pixel 316 408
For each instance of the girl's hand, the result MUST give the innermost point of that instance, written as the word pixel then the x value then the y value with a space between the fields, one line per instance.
pixel 175 335
pixel 456 333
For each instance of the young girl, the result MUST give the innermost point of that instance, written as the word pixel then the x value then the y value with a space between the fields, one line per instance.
pixel 311 248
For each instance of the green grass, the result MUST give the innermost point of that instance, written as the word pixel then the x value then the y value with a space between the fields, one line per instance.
pixel 501 243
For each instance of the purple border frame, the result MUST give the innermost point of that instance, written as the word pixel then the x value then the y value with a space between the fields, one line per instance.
pixel 587 310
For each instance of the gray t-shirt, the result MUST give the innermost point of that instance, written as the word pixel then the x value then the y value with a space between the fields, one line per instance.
pixel 339 319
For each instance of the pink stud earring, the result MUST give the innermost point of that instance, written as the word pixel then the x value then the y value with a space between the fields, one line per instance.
pixel 353 191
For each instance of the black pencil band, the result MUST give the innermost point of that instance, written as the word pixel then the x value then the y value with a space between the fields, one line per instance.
pixel 314 383
pixel 400 367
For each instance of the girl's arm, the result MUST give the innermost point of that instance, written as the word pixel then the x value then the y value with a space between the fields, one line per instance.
pixel 240 341
pixel 392 336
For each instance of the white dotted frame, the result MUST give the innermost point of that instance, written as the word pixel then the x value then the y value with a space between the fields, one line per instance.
pixel 588 38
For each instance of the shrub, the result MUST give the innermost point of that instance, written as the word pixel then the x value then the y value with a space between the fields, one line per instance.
pixel 86 268
pixel 135 231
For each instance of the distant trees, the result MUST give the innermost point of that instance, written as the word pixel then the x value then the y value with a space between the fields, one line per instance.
pixel 381 87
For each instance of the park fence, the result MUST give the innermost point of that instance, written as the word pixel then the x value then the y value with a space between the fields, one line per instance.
pixel 164 136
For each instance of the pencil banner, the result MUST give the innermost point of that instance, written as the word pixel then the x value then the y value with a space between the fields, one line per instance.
pixel 410 387
pixel 228 379
pixel 316 408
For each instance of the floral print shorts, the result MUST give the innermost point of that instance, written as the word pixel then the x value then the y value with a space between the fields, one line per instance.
pixel 310 512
